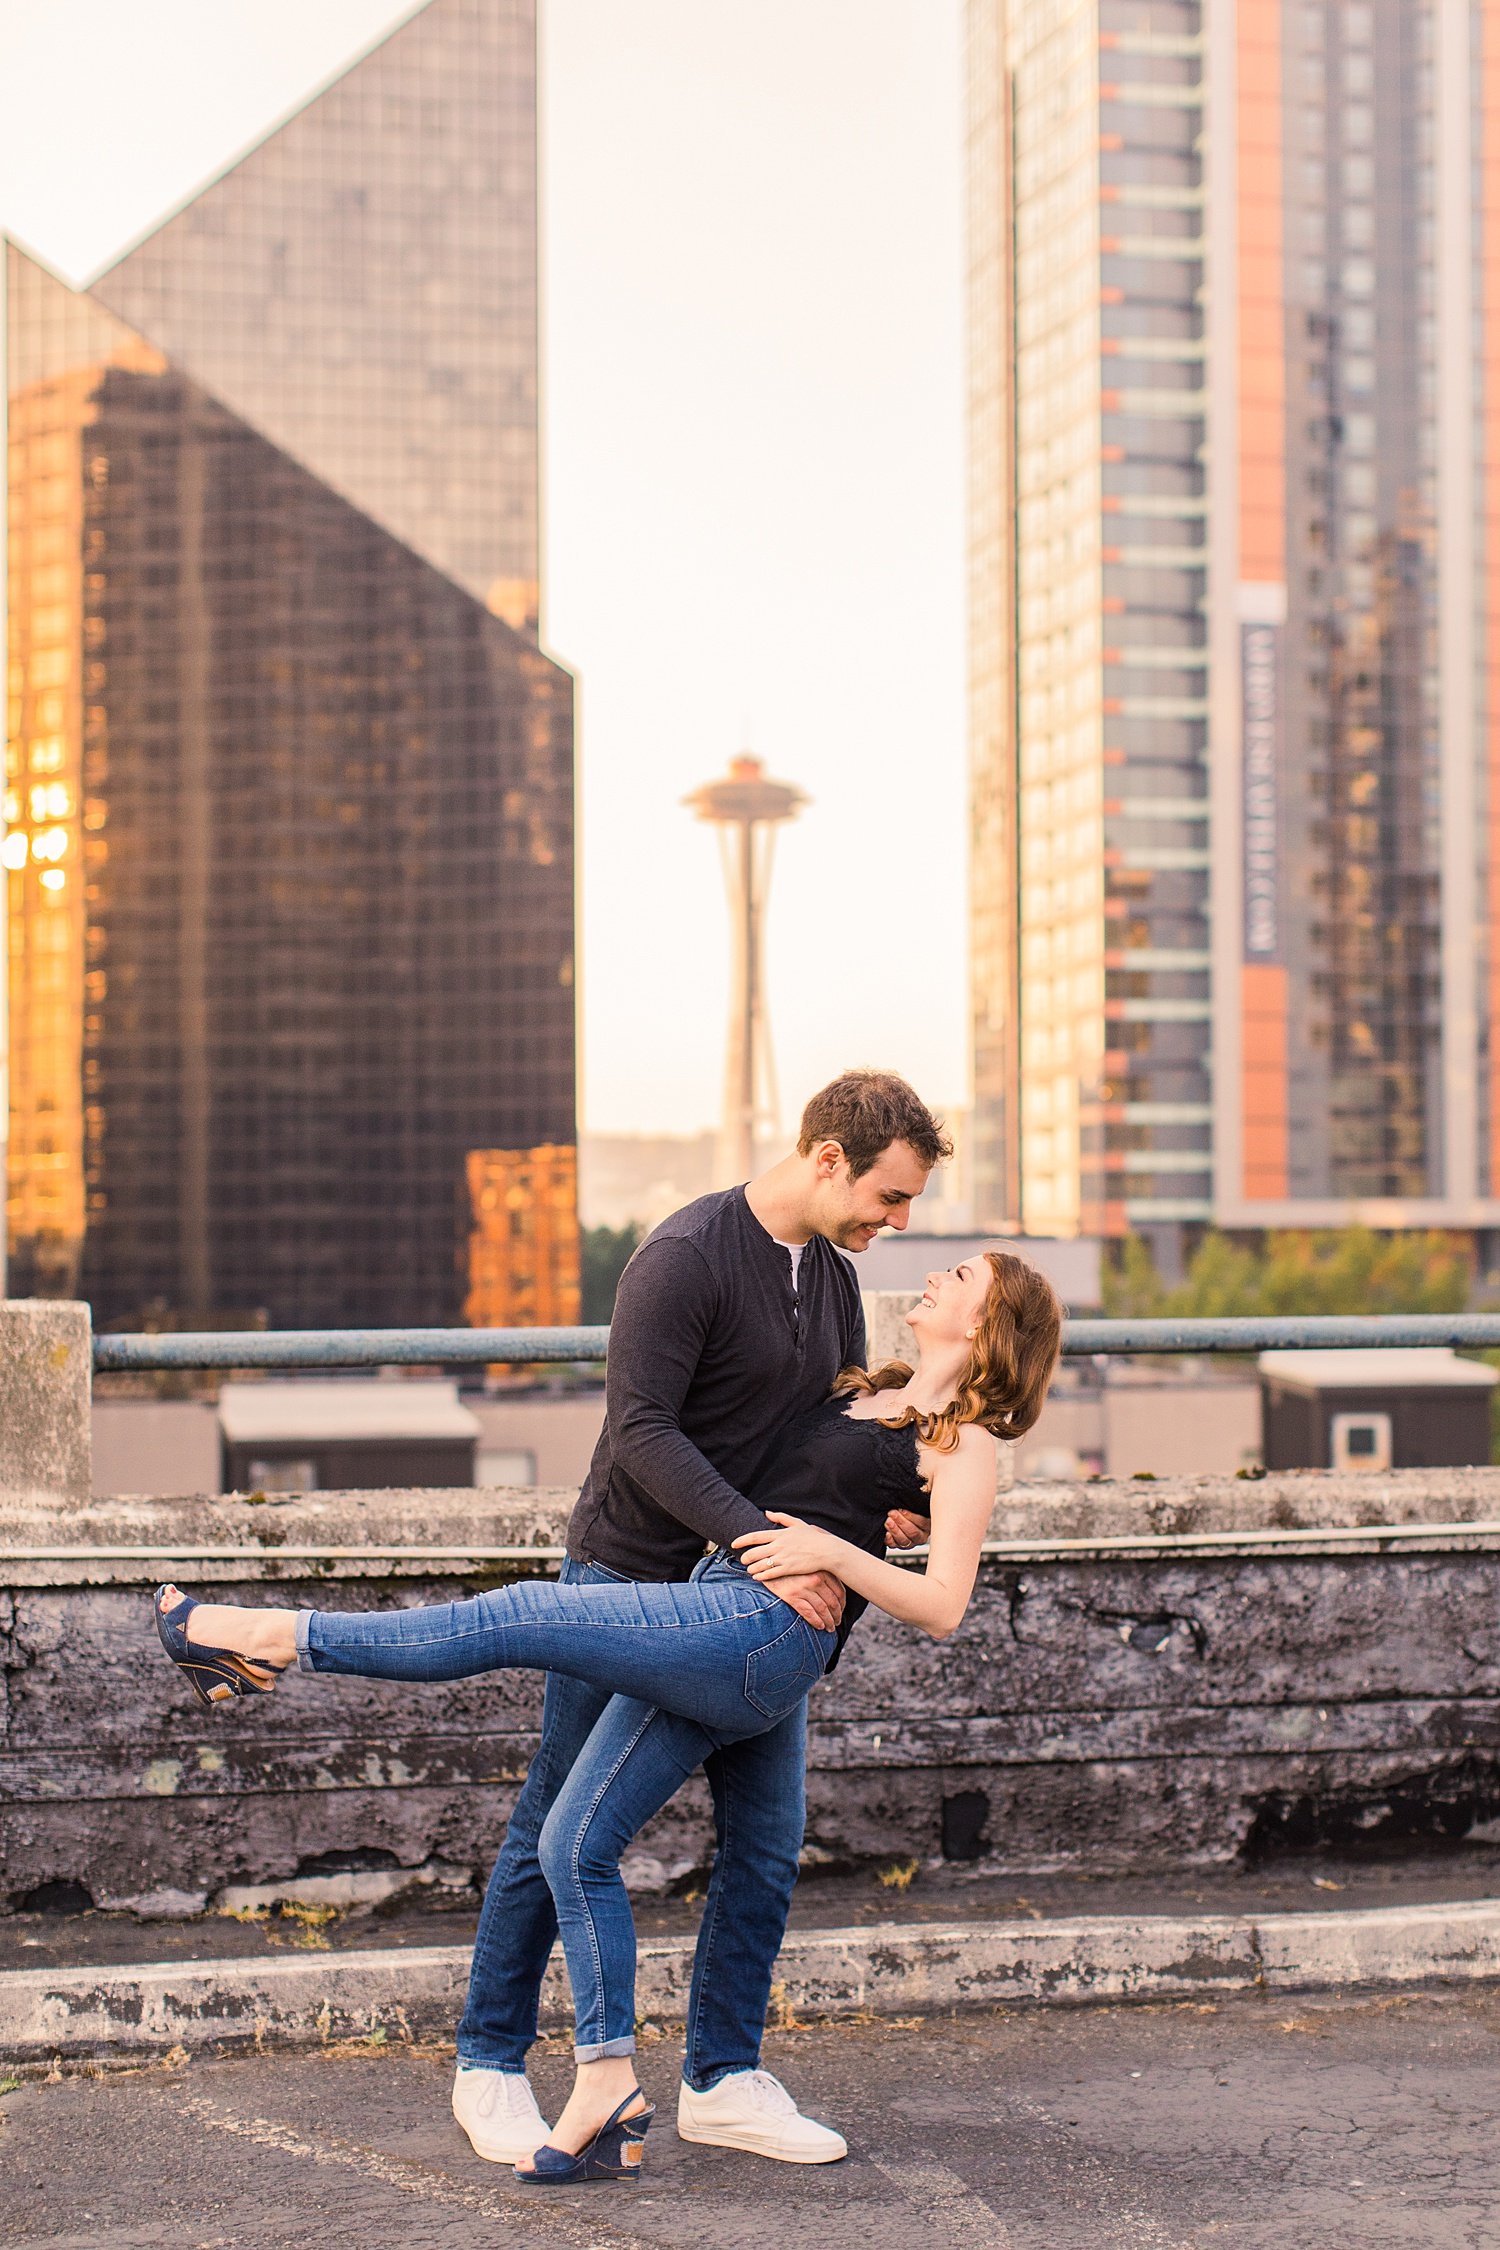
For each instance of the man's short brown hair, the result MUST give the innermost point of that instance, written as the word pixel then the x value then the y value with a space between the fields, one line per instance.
pixel 865 1111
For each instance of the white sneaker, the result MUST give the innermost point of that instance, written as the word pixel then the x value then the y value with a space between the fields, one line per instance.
pixel 498 2111
pixel 752 2110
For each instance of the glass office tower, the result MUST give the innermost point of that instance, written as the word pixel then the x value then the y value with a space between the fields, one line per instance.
pixel 289 778
pixel 1235 348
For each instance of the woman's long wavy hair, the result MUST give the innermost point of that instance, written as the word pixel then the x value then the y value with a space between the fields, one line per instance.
pixel 1015 1351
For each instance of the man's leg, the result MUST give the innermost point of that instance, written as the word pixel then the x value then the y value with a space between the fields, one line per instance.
pixel 759 1794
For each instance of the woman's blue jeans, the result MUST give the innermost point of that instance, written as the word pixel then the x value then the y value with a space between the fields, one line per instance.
pixel 721 1653
pixel 758 1789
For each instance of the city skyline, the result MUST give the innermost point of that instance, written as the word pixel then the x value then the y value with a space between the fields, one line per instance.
pixel 289 781
pixel 751 474
pixel 1237 847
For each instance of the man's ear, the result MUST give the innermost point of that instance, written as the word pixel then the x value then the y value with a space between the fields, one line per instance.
pixel 827 1157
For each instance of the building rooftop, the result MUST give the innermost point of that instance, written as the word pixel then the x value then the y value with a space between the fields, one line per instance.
pixel 359 1408
pixel 1436 1368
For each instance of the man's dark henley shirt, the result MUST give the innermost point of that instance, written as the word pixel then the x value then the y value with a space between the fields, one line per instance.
pixel 711 1354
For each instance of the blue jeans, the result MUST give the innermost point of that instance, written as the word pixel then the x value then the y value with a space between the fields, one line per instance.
pixel 709 1670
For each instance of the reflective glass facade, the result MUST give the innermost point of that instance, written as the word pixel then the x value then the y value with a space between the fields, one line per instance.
pixel 1233 271
pixel 362 288
pixel 1088 681
pixel 290 813
pixel 1339 552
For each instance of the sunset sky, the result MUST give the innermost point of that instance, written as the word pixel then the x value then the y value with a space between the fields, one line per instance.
pixel 751 247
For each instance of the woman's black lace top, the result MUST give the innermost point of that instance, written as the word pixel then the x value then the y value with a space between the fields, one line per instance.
pixel 844 1476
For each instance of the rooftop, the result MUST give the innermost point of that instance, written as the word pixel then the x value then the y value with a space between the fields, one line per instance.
pixel 1379 1370
pixel 351 1408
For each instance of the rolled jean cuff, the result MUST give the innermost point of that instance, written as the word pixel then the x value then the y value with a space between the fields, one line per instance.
pixel 706 2080
pixel 304 1653
pixel 605 2050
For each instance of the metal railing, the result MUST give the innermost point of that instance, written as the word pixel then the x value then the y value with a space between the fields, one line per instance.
pixel 491 1347
pixel 350 1347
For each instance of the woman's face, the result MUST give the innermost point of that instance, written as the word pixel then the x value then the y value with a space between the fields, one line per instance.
pixel 952 1303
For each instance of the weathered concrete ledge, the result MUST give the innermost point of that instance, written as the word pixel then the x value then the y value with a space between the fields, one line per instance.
pixel 1166 1706
pixel 380 1534
pixel 135 1541
pixel 220 2007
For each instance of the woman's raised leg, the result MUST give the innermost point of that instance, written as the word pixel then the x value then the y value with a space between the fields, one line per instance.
pixel 717 1649
pixel 264 1636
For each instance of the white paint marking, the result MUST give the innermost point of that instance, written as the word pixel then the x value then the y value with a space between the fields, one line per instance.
pixel 426 2181
pixel 948 2203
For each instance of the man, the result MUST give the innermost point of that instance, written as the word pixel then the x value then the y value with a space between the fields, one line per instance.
pixel 732 1318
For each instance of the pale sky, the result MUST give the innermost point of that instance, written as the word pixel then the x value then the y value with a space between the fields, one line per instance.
pixel 751 250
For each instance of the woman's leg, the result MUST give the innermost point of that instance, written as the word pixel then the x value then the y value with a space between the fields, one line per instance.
pixel 519 1922
pixel 265 1636
pixel 633 1763
pixel 718 1649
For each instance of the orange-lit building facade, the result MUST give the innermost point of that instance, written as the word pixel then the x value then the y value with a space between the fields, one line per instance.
pixel 288 815
pixel 523 1247
pixel 1235 301
pixel 53 845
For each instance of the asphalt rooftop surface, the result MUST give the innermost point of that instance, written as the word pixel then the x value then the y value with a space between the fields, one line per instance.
pixel 1251 2123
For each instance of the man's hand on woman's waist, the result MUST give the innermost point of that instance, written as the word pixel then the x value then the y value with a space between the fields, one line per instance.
pixel 817 1596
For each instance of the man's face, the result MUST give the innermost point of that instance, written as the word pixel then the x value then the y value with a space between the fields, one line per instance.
pixel 850 1212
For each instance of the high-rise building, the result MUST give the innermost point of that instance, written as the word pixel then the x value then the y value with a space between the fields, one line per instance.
pixel 289 776
pixel 1235 462
pixel 524 1249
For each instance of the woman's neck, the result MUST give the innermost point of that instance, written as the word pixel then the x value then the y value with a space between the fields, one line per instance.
pixel 934 1381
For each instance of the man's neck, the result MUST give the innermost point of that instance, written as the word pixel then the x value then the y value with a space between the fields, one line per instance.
pixel 778 1201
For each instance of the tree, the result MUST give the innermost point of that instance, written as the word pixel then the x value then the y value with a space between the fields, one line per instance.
pixel 1329 1270
pixel 604 1253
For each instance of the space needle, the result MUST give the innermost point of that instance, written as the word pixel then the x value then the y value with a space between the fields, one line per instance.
pixel 747 808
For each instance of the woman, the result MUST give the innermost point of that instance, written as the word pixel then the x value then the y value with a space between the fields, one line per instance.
pixel 720 1650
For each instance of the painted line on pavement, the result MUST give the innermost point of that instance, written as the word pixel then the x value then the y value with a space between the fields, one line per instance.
pixel 947 2204
pixel 429 2182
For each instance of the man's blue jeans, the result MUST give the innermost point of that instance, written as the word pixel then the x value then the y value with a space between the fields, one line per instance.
pixel 604 1766
pixel 759 1809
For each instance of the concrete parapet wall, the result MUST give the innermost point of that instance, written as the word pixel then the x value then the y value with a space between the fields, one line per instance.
pixel 46 1376
pixel 411 1523
pixel 1097 1710
pixel 245 1534
pixel 1278 1500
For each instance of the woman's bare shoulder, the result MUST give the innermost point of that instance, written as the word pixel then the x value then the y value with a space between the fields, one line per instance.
pixel 971 1459
pixel 975 1451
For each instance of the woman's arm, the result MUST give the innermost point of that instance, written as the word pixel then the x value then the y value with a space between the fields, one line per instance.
pixel 963 1493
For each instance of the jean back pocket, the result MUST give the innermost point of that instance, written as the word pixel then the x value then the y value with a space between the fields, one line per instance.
pixel 781 1671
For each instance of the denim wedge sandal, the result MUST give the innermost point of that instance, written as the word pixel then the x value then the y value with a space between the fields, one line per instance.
pixel 214 1674
pixel 614 2153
